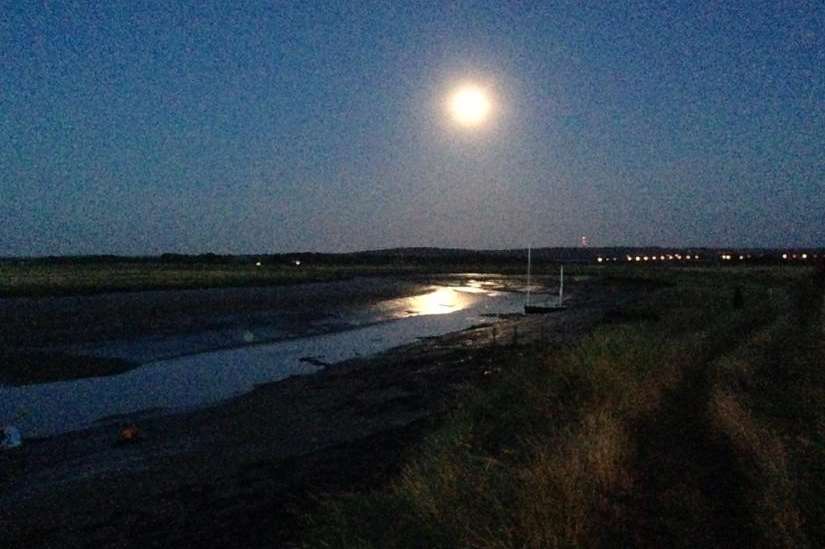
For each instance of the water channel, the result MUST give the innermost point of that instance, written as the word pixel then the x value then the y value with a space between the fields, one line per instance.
pixel 197 369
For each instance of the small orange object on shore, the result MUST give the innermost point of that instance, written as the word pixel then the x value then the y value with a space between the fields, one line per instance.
pixel 130 433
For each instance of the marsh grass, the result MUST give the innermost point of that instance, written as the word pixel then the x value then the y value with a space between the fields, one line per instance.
pixel 93 278
pixel 562 450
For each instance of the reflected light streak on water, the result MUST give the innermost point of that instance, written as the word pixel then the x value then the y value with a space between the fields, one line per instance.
pixel 439 300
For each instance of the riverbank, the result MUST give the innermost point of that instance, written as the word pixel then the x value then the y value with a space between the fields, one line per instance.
pixel 246 469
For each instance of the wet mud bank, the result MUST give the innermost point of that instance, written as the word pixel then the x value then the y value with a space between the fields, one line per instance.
pixel 31 367
pixel 243 473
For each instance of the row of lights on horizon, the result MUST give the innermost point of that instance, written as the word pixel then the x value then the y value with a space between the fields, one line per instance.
pixel 668 257
pixel 785 256
pixel 694 257
pixel 296 262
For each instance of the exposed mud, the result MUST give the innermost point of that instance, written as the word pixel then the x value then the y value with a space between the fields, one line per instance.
pixel 242 473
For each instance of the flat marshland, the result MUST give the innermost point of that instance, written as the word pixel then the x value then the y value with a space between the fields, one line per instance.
pixel 69 279
pixel 695 417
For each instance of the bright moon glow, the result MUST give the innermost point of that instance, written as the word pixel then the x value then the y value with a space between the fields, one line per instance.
pixel 469 105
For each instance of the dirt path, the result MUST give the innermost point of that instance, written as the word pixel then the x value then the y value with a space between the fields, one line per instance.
pixel 689 492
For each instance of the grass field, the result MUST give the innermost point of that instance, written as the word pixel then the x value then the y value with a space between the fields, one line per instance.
pixel 57 280
pixel 695 418
pixel 37 279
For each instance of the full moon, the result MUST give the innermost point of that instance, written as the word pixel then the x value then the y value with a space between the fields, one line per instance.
pixel 469 105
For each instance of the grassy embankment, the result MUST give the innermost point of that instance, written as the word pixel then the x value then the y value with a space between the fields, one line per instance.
pixel 684 421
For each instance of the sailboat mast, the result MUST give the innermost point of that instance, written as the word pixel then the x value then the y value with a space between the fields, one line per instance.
pixel 561 286
pixel 528 275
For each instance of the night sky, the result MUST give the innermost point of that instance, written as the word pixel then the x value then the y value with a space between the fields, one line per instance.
pixel 260 127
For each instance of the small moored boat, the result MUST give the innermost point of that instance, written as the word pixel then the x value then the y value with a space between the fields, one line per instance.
pixel 543 309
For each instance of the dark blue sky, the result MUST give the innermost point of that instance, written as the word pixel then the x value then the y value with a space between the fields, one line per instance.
pixel 251 127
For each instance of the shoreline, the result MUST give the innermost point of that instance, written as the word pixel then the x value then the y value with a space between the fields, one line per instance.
pixel 257 458
pixel 63 339
pixel 49 339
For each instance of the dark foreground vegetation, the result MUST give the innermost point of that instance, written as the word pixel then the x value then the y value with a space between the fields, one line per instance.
pixel 695 418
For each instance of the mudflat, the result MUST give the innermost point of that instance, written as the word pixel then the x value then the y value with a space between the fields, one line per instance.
pixel 40 334
pixel 41 321
pixel 243 473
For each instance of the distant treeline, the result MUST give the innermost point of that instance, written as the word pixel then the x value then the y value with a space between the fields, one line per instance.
pixel 448 256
